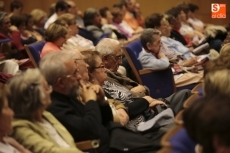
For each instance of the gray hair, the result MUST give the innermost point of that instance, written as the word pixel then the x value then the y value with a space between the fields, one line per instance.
pixel 52 66
pixel 147 36
pixel 26 94
pixel 105 46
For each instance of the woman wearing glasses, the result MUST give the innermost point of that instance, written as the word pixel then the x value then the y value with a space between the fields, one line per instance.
pixel 33 127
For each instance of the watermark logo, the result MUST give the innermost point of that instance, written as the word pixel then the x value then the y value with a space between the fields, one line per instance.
pixel 218 10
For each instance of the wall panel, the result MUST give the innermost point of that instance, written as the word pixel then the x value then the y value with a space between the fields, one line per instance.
pixel 148 6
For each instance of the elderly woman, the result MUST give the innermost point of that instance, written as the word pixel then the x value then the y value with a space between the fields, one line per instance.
pixel 75 41
pixel 138 108
pixel 33 127
pixel 7 144
pixel 39 17
pixel 55 35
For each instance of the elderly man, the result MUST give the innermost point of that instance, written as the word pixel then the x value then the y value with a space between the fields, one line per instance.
pixel 75 104
pixel 153 57
pixel 110 51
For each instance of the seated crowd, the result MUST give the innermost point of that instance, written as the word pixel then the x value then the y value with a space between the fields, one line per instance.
pixel 81 90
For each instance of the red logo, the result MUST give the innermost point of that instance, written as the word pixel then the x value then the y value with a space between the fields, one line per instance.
pixel 218 10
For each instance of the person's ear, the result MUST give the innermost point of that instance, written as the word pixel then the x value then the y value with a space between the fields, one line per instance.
pixel 104 58
pixel 149 46
pixel 60 83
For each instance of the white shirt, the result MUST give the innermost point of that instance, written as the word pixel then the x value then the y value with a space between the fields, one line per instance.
pixel 51 20
pixel 7 148
pixel 54 134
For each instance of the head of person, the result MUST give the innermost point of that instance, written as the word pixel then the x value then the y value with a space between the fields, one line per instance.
pixel 158 21
pixel 61 7
pixel 19 20
pixel 16 7
pixel 193 8
pixel 121 6
pixel 208 121
pixel 6 113
pixel 151 40
pixel 111 53
pixel 174 18
pixel 96 67
pixel 117 15
pixel 217 82
pixel 2 6
pixel 39 17
pixel 72 7
pixel 56 33
pixel 106 14
pixel 130 5
pixel 29 94
pixel 29 22
pixel 183 9
pixel 92 17
pixel 70 19
pixel 4 22
pixel 222 62
pixel 64 70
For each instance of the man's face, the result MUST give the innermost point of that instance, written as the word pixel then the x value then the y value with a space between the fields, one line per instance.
pixel 112 61
pixel 73 8
pixel 71 80
pixel 155 46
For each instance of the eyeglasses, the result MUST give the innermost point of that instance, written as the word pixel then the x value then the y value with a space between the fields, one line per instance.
pixel 119 57
pixel 98 67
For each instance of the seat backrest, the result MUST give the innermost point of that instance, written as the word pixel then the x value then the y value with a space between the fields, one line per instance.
pixel 161 83
pixel 34 51
pixel 5 40
pixel 104 35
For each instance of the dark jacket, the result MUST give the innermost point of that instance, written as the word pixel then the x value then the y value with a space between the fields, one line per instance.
pixel 177 36
pixel 84 122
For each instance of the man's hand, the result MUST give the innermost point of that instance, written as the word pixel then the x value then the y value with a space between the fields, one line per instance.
pixel 87 93
pixel 99 92
pixel 160 55
pixel 138 88
pixel 123 116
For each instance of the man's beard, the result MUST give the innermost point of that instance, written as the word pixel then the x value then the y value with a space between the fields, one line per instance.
pixel 74 92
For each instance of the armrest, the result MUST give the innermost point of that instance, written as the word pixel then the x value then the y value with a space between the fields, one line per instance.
pixel 147 71
pixel 88 144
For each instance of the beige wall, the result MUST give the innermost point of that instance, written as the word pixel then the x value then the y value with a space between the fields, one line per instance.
pixel 147 6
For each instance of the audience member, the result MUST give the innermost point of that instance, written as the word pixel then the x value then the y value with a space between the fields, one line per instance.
pixel 210 131
pixel 7 144
pixel 34 127
pixel 75 104
pixel 92 20
pixel 75 41
pixel 5 25
pixel 30 32
pixel 129 15
pixel 61 7
pixel 138 15
pixel 152 57
pixel 16 7
pixel 20 21
pixel 55 35
pixel 74 10
pixel 39 17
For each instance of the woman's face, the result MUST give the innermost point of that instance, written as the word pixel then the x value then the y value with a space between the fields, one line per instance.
pixel 6 24
pixel 47 89
pixel 74 28
pixel 109 17
pixel 6 116
pixel 99 72
pixel 30 24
